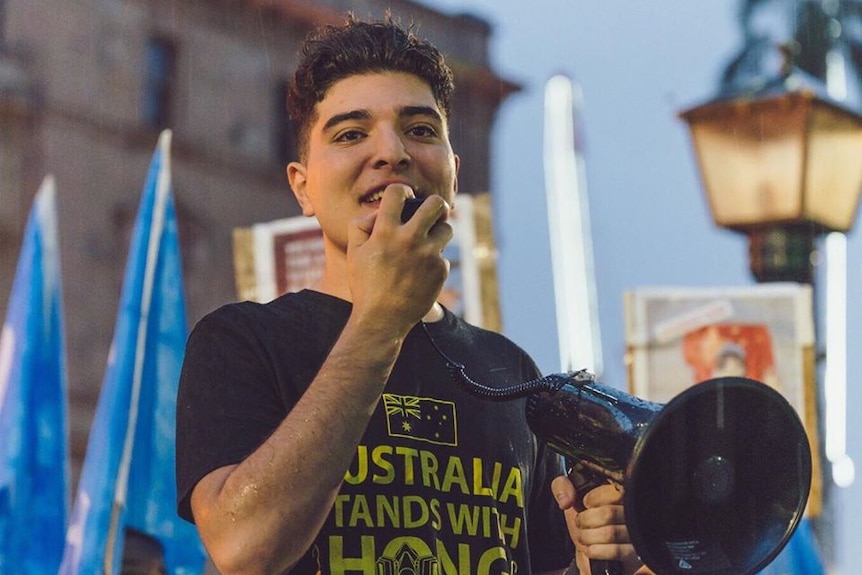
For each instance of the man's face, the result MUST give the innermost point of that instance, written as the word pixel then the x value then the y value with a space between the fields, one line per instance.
pixel 372 130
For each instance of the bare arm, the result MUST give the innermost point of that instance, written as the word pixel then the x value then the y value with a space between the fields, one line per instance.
pixel 278 498
pixel 262 515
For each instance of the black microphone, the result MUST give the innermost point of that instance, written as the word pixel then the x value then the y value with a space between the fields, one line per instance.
pixel 410 207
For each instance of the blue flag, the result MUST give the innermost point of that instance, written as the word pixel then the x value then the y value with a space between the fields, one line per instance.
pixel 127 480
pixel 800 556
pixel 34 469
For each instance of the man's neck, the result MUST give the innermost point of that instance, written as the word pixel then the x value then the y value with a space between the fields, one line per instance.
pixel 434 314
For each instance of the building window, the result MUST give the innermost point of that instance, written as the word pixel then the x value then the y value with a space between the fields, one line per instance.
pixel 284 140
pixel 159 82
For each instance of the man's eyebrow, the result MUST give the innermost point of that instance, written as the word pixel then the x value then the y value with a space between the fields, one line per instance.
pixel 406 111
pixel 421 111
pixel 352 115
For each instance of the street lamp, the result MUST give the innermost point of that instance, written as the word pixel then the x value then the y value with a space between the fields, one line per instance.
pixel 780 161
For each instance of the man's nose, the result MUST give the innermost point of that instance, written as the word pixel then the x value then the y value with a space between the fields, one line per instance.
pixel 390 149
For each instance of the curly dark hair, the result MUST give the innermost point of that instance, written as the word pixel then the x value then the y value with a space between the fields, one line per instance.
pixel 333 53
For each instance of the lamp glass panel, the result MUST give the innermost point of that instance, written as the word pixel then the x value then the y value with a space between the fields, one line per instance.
pixel 834 174
pixel 751 160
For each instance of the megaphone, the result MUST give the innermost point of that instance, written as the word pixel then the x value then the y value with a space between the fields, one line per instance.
pixel 716 480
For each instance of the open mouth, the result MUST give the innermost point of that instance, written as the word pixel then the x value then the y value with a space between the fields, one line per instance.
pixel 373 198
pixel 376 195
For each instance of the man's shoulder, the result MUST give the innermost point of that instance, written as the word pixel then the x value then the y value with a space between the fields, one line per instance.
pixel 303 320
pixel 305 304
pixel 477 333
pixel 487 343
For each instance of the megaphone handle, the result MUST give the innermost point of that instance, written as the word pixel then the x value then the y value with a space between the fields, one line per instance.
pixel 584 481
pixel 601 567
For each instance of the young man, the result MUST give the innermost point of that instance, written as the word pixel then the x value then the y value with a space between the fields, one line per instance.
pixel 322 433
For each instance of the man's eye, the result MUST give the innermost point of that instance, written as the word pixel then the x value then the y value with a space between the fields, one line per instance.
pixel 349 136
pixel 423 131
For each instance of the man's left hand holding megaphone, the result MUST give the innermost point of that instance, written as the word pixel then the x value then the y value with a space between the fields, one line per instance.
pixel 599 530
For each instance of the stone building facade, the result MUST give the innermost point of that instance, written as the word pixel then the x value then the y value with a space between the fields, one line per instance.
pixel 87 85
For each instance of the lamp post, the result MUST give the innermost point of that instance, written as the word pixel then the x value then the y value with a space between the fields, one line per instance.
pixel 780 161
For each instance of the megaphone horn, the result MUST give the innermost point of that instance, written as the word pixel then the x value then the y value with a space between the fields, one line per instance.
pixel 716 480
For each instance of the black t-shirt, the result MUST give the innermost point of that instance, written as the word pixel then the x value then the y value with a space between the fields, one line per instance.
pixel 442 481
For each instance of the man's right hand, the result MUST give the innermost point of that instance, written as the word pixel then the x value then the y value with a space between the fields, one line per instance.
pixel 396 271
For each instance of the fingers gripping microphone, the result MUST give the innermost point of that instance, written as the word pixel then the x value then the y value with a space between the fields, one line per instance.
pixel 716 480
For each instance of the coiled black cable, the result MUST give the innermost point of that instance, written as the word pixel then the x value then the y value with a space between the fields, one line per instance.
pixel 458 372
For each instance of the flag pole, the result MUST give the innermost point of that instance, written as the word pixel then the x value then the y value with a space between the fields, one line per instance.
pixel 154 240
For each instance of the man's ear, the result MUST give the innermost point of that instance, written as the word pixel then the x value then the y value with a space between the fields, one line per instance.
pixel 296 177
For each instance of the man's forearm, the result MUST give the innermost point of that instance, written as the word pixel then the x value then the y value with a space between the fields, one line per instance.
pixel 263 514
